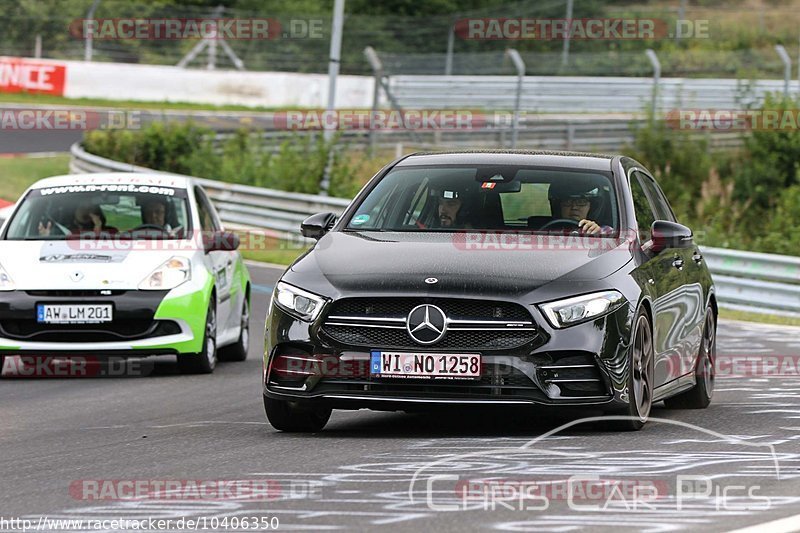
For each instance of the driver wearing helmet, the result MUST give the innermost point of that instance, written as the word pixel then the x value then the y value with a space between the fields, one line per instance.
pixel 573 202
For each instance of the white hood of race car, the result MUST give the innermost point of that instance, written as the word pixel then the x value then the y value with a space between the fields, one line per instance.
pixel 63 265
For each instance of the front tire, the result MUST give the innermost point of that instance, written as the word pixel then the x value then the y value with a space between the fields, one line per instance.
pixel 294 417
pixel 640 377
pixel 699 396
pixel 238 351
pixel 206 361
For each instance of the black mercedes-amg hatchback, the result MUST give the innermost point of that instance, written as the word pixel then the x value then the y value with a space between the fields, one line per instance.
pixel 494 278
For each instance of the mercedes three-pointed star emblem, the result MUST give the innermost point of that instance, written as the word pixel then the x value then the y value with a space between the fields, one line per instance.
pixel 426 324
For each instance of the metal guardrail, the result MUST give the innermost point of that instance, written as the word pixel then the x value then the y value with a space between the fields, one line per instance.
pixel 752 281
pixel 576 94
pixel 535 132
pixel 748 281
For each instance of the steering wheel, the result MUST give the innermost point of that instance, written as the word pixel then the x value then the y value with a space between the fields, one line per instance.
pixel 561 223
pixel 149 226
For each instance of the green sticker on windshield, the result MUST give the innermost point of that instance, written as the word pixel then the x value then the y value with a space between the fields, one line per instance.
pixel 359 219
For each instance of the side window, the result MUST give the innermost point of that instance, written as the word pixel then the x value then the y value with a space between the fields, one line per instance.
pixel 660 204
pixel 642 207
pixel 207 222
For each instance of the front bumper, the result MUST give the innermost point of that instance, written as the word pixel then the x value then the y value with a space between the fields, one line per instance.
pixel 584 365
pixel 144 323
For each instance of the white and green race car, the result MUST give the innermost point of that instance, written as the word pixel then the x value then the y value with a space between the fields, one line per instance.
pixel 122 264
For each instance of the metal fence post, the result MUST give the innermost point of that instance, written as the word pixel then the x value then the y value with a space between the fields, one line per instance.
pixel 681 18
pixel 333 72
pixel 787 68
pixel 565 50
pixel 448 60
pixel 520 66
pixel 377 68
pixel 87 50
pixel 651 55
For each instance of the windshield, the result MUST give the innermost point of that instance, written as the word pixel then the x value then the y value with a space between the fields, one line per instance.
pixel 492 198
pixel 119 211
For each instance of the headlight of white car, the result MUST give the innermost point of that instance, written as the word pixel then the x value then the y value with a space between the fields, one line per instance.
pixel 571 311
pixel 303 304
pixel 170 274
pixel 6 284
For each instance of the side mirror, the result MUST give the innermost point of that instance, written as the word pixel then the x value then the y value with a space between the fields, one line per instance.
pixel 220 241
pixel 315 226
pixel 667 234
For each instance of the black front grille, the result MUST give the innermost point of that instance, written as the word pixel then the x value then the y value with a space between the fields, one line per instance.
pixel 453 339
pixel 357 322
pixel 76 293
pixel 30 330
pixel 497 381
pixel 453 308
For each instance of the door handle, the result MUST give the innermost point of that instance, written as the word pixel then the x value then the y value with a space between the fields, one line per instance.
pixel 697 257
pixel 677 263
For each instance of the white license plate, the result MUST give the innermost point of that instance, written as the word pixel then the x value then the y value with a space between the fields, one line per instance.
pixel 425 365
pixel 73 313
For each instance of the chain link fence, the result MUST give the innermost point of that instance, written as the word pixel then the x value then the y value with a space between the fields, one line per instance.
pixel 720 40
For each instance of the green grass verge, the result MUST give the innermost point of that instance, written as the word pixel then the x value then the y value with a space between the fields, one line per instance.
pixel 17 173
pixel 758 317
pixel 278 257
pixel 260 247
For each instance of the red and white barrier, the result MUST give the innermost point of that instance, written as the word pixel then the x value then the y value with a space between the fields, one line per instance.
pixel 157 83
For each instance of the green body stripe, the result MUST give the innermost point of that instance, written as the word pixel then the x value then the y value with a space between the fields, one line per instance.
pixel 191 308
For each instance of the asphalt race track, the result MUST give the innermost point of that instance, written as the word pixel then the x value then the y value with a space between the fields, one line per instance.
pixel 398 471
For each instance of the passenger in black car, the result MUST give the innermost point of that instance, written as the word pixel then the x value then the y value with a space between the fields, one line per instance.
pixel 453 210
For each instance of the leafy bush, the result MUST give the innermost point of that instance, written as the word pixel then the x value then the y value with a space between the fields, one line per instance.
pixel 747 198
pixel 296 165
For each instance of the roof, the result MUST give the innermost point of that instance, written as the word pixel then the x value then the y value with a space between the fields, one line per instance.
pixel 544 158
pixel 133 178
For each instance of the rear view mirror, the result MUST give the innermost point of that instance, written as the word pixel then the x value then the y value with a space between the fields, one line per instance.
pixel 315 226
pixel 667 234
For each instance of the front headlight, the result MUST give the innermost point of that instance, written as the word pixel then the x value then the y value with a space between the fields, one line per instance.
pixel 6 284
pixel 571 311
pixel 170 274
pixel 303 304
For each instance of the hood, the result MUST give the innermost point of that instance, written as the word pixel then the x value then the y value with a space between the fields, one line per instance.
pixel 464 263
pixel 60 265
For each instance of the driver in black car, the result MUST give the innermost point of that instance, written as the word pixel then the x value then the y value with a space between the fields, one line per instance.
pixel 576 203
